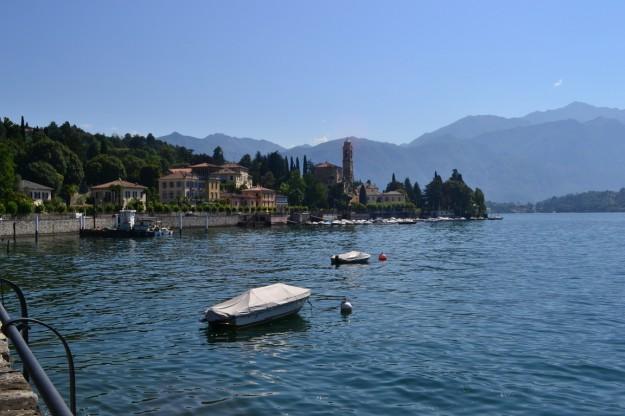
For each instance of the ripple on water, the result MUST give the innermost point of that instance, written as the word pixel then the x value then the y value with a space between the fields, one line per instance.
pixel 517 316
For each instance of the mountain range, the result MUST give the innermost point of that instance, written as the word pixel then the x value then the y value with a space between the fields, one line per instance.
pixel 571 149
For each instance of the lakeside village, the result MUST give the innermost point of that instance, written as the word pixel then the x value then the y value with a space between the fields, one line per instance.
pixel 63 169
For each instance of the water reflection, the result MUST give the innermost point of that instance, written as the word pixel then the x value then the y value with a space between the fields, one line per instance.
pixel 286 325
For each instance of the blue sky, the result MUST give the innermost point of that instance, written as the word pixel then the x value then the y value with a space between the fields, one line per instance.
pixel 298 72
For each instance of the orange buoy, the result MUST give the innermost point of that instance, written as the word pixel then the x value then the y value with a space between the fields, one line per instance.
pixel 382 257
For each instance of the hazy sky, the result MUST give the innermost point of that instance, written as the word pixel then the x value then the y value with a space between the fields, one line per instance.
pixel 295 72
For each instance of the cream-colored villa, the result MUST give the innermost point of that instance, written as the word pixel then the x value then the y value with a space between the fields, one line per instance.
pixel 118 192
pixel 201 181
pixel 37 192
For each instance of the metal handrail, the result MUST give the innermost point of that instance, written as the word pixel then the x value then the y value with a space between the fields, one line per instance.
pixel 50 395
pixel 23 309
pixel 68 355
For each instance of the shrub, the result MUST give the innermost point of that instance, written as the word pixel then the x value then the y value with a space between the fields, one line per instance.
pixel 11 208
pixel 24 206
pixel 2 208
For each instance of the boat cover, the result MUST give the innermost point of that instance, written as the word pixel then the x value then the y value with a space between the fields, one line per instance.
pixel 259 299
pixel 352 255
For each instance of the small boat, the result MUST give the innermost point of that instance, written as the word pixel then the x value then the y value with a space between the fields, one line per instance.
pixel 160 231
pixel 351 257
pixel 258 305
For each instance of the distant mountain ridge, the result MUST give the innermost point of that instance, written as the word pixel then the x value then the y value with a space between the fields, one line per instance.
pixel 234 147
pixel 530 158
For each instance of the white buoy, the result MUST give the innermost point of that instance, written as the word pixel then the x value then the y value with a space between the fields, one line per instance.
pixel 346 307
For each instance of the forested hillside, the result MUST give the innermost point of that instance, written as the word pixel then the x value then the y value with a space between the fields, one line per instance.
pixel 69 159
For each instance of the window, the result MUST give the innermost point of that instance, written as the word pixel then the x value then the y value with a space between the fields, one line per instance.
pixel 37 195
pixel 134 194
pixel 178 184
pixel 127 194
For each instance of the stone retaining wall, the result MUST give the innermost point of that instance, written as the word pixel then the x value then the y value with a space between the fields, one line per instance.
pixel 53 225
pixel 200 220
pixel 16 395
pixel 28 226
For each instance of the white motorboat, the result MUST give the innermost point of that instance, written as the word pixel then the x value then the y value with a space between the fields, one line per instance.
pixel 162 231
pixel 258 305
pixel 351 257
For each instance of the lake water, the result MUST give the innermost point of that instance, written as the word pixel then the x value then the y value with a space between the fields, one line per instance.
pixel 521 316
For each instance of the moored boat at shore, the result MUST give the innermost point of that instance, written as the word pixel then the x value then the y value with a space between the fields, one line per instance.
pixel 258 305
pixel 351 257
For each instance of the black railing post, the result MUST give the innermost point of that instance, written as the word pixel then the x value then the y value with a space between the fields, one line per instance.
pixel 46 389
pixel 31 367
pixel 23 307
pixel 68 355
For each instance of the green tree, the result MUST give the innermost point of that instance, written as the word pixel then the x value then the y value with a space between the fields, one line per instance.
pixel 479 203
pixel 296 189
pixel 246 161
pixel 218 156
pixel 74 173
pixel 68 191
pixel 362 195
pixel 133 166
pixel 7 171
pixel 316 193
pixel 148 176
pixel 409 190
pixel 104 168
pixel 337 198
pixel 457 196
pixel 49 151
pixel 43 173
pixel 434 194
pixel 11 208
pixel 25 206
pixel 418 196
pixel 268 180
pixel 393 185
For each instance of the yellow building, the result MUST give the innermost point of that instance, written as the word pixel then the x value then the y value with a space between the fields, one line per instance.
pixel 183 184
pixel 213 193
pixel 256 197
pixel 180 185
pixel 261 197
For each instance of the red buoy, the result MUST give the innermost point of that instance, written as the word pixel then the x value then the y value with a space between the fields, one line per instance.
pixel 382 257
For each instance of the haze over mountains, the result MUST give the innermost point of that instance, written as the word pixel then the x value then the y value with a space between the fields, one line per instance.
pixel 571 149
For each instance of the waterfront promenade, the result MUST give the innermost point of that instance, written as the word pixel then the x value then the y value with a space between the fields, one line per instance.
pixel 32 225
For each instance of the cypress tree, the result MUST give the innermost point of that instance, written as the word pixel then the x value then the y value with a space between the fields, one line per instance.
pixel 362 195
pixel 297 164
pixel 23 128
pixel 305 166
pixel 409 190
pixel 418 195
pixel 292 165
